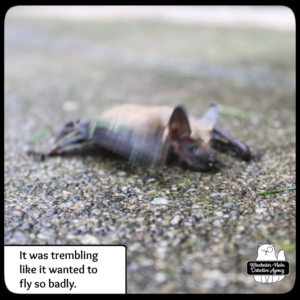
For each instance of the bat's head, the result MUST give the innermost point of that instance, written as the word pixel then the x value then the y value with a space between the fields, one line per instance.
pixel 196 154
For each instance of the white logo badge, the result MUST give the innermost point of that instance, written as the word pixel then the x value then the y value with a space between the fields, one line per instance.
pixel 266 252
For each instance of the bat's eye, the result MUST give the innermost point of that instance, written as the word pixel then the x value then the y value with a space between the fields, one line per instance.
pixel 192 147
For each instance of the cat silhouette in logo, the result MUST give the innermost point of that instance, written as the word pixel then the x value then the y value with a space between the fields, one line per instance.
pixel 266 252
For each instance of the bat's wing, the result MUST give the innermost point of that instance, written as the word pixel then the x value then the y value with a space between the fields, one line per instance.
pixel 140 146
pixel 240 148
pixel 73 132
pixel 220 135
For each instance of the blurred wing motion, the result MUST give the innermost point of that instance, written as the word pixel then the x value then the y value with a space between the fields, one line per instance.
pixel 140 146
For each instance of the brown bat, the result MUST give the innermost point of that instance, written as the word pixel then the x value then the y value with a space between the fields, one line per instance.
pixel 150 135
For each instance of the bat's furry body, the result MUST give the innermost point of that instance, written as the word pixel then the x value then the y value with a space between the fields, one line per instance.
pixel 156 119
pixel 148 135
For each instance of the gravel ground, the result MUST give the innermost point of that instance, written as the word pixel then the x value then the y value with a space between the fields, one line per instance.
pixel 208 225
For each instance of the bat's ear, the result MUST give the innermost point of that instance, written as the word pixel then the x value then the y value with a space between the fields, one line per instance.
pixel 179 124
pixel 211 116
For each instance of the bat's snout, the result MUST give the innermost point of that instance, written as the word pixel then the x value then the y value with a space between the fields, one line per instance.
pixel 204 160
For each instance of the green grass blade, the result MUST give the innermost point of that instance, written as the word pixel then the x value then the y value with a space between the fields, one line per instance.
pixel 39 135
pixel 236 112
pixel 276 191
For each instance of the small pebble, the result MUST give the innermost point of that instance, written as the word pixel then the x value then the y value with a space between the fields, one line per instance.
pixel 159 201
pixel 175 220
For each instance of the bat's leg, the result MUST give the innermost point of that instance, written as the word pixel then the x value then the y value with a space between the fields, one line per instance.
pixel 240 148
pixel 73 132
